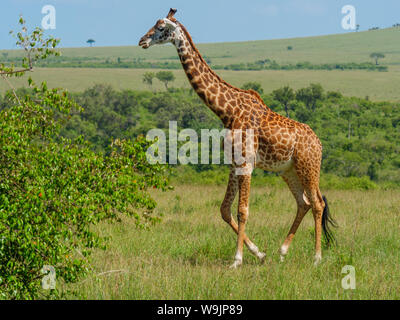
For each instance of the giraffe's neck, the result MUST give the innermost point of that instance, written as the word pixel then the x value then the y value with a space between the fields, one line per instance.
pixel 208 85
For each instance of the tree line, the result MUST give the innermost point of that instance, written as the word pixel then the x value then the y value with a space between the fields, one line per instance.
pixel 263 64
pixel 360 137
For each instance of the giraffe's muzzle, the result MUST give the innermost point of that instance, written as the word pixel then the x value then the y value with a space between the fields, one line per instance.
pixel 144 42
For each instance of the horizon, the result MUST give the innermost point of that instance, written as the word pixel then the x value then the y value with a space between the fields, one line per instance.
pixel 287 19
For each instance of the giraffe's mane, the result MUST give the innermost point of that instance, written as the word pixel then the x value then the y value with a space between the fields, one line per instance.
pixel 250 91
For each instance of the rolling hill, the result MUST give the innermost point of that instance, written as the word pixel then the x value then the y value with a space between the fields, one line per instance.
pixel 340 48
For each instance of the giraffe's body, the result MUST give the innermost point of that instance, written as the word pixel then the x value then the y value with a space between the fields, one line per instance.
pixel 280 144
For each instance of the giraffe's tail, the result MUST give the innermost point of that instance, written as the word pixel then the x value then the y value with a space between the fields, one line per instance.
pixel 328 221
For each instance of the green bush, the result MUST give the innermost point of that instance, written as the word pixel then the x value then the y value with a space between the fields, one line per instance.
pixel 330 181
pixel 53 189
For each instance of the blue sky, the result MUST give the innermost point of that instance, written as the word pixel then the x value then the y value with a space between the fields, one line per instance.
pixel 123 22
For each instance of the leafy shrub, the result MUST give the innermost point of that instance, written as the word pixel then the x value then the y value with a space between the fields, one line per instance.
pixel 330 181
pixel 53 189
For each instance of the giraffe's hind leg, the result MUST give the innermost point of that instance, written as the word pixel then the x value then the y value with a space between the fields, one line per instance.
pixel 232 189
pixel 303 205
pixel 318 205
pixel 309 177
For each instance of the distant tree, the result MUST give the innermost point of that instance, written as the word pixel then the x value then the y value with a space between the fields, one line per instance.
pixel 119 60
pixel 165 77
pixel 91 42
pixel 357 27
pixel 5 54
pixel 148 78
pixel 376 56
pixel 256 86
pixel 289 48
pixel 310 95
pixel 284 95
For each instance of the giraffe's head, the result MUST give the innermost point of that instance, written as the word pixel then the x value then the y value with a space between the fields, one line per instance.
pixel 165 30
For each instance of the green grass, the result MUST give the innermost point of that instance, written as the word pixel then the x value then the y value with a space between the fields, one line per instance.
pixel 375 85
pixel 349 47
pixel 187 255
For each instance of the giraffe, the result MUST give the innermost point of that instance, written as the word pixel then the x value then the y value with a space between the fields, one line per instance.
pixel 280 144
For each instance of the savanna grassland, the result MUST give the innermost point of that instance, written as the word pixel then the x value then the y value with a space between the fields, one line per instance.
pixel 376 85
pixel 187 255
pixel 341 48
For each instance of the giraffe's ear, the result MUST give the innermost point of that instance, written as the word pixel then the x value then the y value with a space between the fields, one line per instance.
pixel 170 15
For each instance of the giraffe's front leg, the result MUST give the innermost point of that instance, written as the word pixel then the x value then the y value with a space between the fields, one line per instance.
pixel 230 194
pixel 243 213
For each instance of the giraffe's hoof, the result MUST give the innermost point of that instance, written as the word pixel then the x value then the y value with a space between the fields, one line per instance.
pixel 262 256
pixel 317 260
pixel 235 264
pixel 283 252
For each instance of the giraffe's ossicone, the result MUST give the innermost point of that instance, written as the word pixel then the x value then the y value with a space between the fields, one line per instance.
pixel 280 144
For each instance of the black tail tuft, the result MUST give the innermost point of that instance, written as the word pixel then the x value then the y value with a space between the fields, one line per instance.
pixel 326 221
